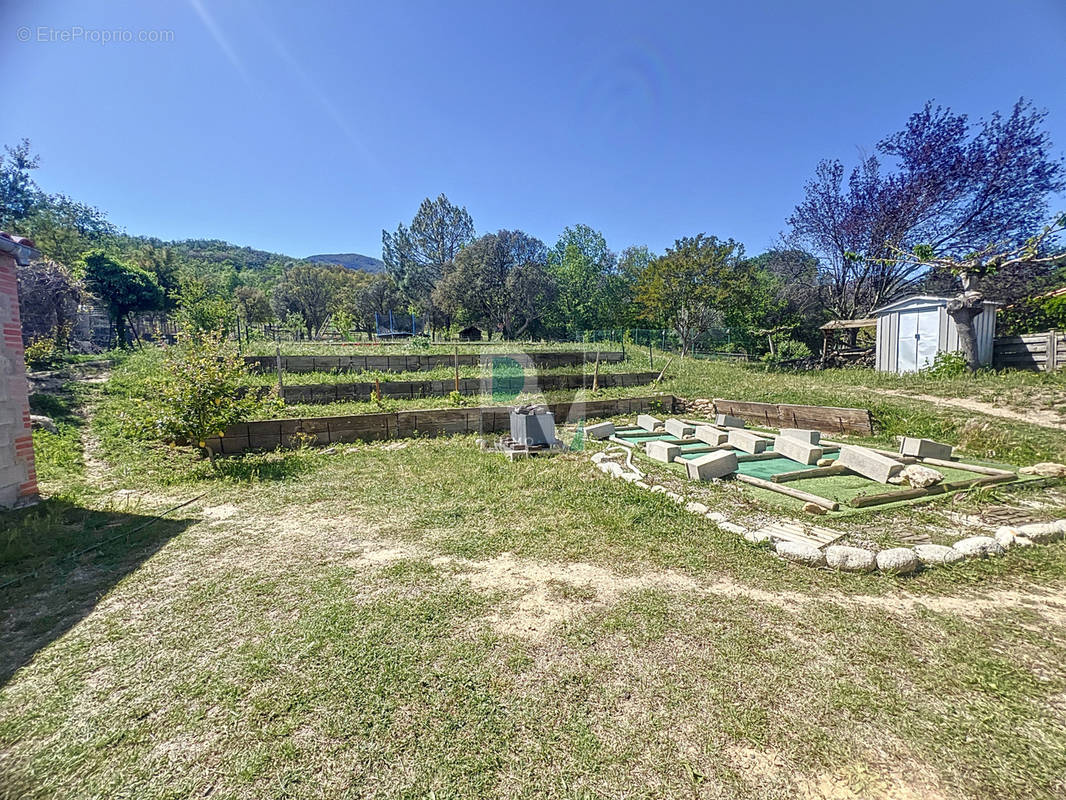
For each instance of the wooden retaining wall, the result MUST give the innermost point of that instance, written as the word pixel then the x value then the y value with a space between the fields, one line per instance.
pixel 1040 351
pixel 274 433
pixel 420 363
pixel 826 419
pixel 341 392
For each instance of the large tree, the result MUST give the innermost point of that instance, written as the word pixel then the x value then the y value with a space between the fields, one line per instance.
pixel 416 257
pixel 590 287
pixel 19 195
pixel 308 291
pixel 697 283
pixel 499 281
pixel 941 182
pixel 125 288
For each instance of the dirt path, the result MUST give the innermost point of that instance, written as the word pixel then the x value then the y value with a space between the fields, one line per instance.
pixel 1043 417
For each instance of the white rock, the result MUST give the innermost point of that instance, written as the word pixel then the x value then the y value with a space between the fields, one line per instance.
pixel 696 508
pixel 641 484
pixel 612 468
pixel 659 488
pixel 598 457
pixel 1005 537
pixel 1040 532
pixel 897 561
pixel 920 477
pixel 979 547
pixel 757 537
pixel 630 477
pixel 801 553
pixel 675 497
pixel 1022 541
pixel 937 554
pixel 715 516
pixel 850 559
pixel 732 527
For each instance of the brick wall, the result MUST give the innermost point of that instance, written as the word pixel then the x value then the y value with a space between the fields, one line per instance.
pixel 18 479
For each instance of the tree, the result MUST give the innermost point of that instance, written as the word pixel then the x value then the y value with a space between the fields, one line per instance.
pixel 417 257
pixel 49 296
pixel 308 291
pixel 162 262
pixel 697 282
pixel 253 308
pixel 65 230
pixel 589 285
pixel 947 184
pixel 496 281
pixel 19 195
pixel 787 297
pixel 975 266
pixel 203 310
pixel 125 289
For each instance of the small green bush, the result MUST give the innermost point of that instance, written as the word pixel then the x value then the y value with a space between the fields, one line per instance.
pixel 947 365
pixel 42 353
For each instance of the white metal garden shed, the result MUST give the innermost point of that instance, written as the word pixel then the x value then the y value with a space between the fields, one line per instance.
pixel 911 331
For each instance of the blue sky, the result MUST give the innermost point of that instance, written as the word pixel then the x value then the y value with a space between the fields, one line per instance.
pixel 308 127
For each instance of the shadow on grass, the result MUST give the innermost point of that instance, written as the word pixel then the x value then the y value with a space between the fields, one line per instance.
pixel 55 584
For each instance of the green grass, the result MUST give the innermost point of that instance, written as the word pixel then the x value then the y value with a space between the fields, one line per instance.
pixel 422 619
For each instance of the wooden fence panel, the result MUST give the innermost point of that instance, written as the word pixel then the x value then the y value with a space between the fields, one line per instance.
pixel 827 419
pixel 1036 351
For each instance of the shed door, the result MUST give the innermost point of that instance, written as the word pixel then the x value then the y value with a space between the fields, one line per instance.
pixel 918 332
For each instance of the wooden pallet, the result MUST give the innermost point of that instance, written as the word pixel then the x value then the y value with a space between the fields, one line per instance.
pixel 805 534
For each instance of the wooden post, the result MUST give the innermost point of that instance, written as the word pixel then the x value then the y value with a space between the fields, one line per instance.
pixel 596 373
pixel 651 358
pixel 457 368
pixel 277 350
pixel 806 497
pixel 1052 362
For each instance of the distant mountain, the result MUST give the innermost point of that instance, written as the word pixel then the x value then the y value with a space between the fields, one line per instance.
pixel 349 260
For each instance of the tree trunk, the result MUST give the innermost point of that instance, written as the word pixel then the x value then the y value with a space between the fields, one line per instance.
pixel 964 309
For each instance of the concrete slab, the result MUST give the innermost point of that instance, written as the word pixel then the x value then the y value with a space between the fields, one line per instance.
pixel 712 465
pixel 802 434
pixel 727 421
pixel 797 450
pixel 602 430
pixel 709 435
pixel 663 451
pixel 867 463
pixel 924 448
pixel 746 441
pixel 648 422
pixel 681 430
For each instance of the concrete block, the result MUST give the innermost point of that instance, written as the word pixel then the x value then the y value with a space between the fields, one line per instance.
pixel 869 464
pixel 648 422
pixel 712 465
pixel 802 434
pixel 924 448
pixel 663 451
pixel 746 441
pixel 681 430
pixel 797 450
pixel 602 430
pixel 727 421
pixel 709 435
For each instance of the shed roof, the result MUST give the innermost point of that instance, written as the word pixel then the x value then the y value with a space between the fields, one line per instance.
pixel 920 299
pixel 844 324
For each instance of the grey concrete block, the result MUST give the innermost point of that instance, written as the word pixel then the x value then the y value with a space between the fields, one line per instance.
pixel 681 430
pixel 602 430
pixel 663 451
pixel 797 450
pixel 648 422
pixel 746 441
pixel 712 465
pixel 709 435
pixel 802 434
pixel 869 464
pixel 924 448
pixel 727 421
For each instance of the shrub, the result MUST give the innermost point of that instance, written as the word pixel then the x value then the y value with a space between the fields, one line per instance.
pixel 199 390
pixel 788 350
pixel 43 352
pixel 947 365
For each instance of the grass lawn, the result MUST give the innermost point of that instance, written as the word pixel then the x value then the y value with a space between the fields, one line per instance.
pixel 421 619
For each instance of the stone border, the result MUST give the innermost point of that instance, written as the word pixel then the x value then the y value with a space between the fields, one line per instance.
pixel 894 561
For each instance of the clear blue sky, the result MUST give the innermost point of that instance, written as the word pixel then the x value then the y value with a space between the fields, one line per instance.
pixel 307 127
